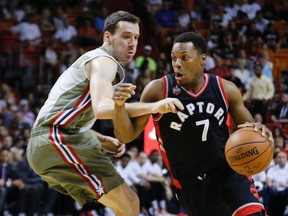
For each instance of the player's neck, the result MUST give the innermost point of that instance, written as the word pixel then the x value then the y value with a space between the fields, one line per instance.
pixel 106 48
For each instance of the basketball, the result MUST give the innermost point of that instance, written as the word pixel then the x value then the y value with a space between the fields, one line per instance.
pixel 248 152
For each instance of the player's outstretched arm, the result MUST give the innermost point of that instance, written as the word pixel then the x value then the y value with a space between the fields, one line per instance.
pixel 126 126
pixel 239 113
pixel 123 92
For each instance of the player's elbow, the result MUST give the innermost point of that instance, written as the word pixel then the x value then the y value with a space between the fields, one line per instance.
pixel 124 137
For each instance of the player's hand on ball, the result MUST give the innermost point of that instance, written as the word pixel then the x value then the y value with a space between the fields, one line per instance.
pixel 113 146
pixel 122 92
pixel 258 126
pixel 168 105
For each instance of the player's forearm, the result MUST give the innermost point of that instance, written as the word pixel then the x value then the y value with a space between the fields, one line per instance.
pixel 100 136
pixel 123 126
pixel 135 109
pixel 140 109
pixel 105 110
pixel 126 128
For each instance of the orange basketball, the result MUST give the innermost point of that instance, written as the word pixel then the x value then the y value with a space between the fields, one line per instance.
pixel 248 152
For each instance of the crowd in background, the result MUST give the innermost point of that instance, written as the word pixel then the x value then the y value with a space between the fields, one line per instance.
pixel 43 38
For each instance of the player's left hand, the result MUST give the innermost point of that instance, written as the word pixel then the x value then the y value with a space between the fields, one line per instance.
pixel 167 105
pixel 258 126
pixel 122 92
pixel 113 146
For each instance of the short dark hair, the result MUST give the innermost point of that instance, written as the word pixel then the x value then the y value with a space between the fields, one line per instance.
pixel 113 19
pixel 198 41
pixel 4 148
pixel 125 155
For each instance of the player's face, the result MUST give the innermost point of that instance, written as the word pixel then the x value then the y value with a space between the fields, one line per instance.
pixel 188 64
pixel 124 41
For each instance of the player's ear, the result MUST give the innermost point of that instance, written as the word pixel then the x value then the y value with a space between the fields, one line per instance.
pixel 107 37
pixel 203 59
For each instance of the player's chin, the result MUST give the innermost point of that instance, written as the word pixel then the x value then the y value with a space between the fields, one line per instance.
pixel 126 60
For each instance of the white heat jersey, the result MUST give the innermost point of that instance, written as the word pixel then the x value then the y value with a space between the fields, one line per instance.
pixel 69 104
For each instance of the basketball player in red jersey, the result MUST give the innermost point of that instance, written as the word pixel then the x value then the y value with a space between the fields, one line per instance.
pixel 192 140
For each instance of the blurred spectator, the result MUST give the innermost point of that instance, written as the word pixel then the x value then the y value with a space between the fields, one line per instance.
pixel 66 33
pixel 209 62
pixel 87 29
pixel 216 34
pixel 225 48
pixel 165 16
pixel 143 188
pixel 250 7
pixel 48 200
pixel 220 68
pixel 126 171
pixel 183 17
pixel 157 183
pixel 259 182
pixel 18 145
pixel 151 172
pixel 7 95
pixel 245 45
pixel 132 72
pixel 277 182
pixel 87 35
pixel 7 141
pixel 29 195
pixel 195 13
pixel 242 56
pixel 222 16
pixel 15 156
pixel 284 39
pixel 37 97
pixel 7 11
pixel 254 35
pixel 271 36
pixel 146 62
pixel 28 30
pixel 26 136
pixel 18 122
pixel 242 73
pixel 233 78
pixel 283 11
pixel 21 10
pixel 59 15
pixel 279 137
pixel 242 22
pixel 269 11
pixel 172 33
pixel 46 21
pixel 6 176
pixel 100 19
pixel 50 55
pixel 232 7
pixel 133 151
pixel 153 6
pixel 3 133
pixel 258 117
pixel 64 63
pixel 260 22
pixel 49 60
pixel 267 65
pixel 68 56
pixel 233 31
pixel 259 93
pixel 280 115
pixel 72 52
pixel 280 142
pixel 163 65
